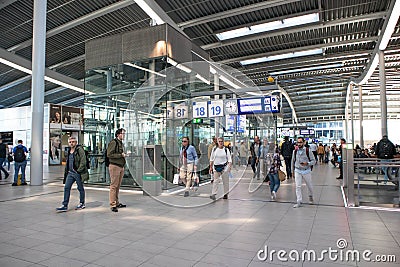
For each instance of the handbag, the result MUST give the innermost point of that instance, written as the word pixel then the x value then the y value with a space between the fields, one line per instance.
pixel 10 158
pixel 219 168
pixel 281 175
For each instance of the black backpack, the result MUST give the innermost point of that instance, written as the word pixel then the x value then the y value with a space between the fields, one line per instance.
pixel 287 149
pixel 385 149
pixel 19 155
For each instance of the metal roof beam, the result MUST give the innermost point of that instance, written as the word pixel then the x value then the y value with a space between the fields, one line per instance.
pixel 235 12
pixel 302 48
pixel 74 23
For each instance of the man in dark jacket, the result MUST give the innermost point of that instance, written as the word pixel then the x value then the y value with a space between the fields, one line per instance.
pixel 75 171
pixel 3 155
pixel 115 152
pixel 385 150
pixel 255 153
pixel 287 152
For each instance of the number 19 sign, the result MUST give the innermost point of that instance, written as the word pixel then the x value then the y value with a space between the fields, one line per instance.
pixel 216 108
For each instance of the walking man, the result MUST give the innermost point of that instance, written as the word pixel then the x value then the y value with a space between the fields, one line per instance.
pixel 3 156
pixel 75 171
pixel 116 155
pixel 255 153
pixel 287 153
pixel 19 153
pixel 302 160
pixel 220 166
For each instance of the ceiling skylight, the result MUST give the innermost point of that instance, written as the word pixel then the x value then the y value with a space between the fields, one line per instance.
pixel 269 26
pixel 282 56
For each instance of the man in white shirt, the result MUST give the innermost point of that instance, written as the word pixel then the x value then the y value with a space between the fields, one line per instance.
pixel 220 166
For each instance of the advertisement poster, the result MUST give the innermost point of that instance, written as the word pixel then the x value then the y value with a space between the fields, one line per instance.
pixel 71 118
pixel 55 114
pixel 55 147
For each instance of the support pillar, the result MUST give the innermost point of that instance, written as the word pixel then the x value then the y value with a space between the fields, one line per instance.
pixel 37 95
pixel 361 113
pixel 382 80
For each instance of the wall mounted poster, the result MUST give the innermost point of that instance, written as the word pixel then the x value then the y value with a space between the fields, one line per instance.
pixel 71 118
pixel 55 147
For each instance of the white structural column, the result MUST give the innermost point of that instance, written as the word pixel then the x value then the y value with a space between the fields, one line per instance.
pixel 217 119
pixel 361 114
pixel 38 67
pixel 382 80
pixel 352 114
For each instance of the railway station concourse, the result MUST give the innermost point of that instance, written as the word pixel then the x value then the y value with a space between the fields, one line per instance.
pixel 324 70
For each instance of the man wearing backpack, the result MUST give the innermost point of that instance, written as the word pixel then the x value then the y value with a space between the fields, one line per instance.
pixel 75 171
pixel 287 152
pixel 19 153
pixel 116 155
pixel 385 150
pixel 302 161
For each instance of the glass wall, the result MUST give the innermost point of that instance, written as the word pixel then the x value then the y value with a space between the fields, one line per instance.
pixel 154 103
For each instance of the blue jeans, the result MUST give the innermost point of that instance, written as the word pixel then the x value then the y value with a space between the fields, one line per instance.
pixel 385 169
pixel 71 178
pixel 274 182
pixel 17 166
pixel 1 166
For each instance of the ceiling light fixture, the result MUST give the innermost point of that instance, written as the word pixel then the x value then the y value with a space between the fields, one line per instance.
pixel 141 68
pixel 149 11
pixel 179 66
pixel 49 79
pixel 394 17
pixel 283 56
pixel 227 81
pixel 269 26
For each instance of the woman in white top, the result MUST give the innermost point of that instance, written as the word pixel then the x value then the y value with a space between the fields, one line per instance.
pixel 220 166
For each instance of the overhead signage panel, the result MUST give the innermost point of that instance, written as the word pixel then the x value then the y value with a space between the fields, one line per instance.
pixel 250 105
pixel 200 109
pixel 216 108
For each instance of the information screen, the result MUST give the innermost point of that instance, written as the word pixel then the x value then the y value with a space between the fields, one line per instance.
pixel 251 105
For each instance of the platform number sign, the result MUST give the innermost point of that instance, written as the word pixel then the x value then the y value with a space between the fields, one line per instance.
pixel 181 111
pixel 216 108
pixel 170 112
pixel 200 109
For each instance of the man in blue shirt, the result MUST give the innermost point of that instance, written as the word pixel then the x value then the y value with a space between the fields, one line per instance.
pixel 19 153
pixel 188 163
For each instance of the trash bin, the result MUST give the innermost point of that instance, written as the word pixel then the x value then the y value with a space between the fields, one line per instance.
pixel 151 184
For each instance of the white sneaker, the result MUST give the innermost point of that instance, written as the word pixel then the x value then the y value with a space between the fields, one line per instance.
pixel 297 205
pixel 272 197
pixel 274 194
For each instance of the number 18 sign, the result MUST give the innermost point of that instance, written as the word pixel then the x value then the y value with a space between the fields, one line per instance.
pixel 216 108
pixel 200 109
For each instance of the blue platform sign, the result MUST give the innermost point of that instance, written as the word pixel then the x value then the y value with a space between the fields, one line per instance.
pixel 259 105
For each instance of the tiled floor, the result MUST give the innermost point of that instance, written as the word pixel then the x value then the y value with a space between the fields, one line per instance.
pixel 169 231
